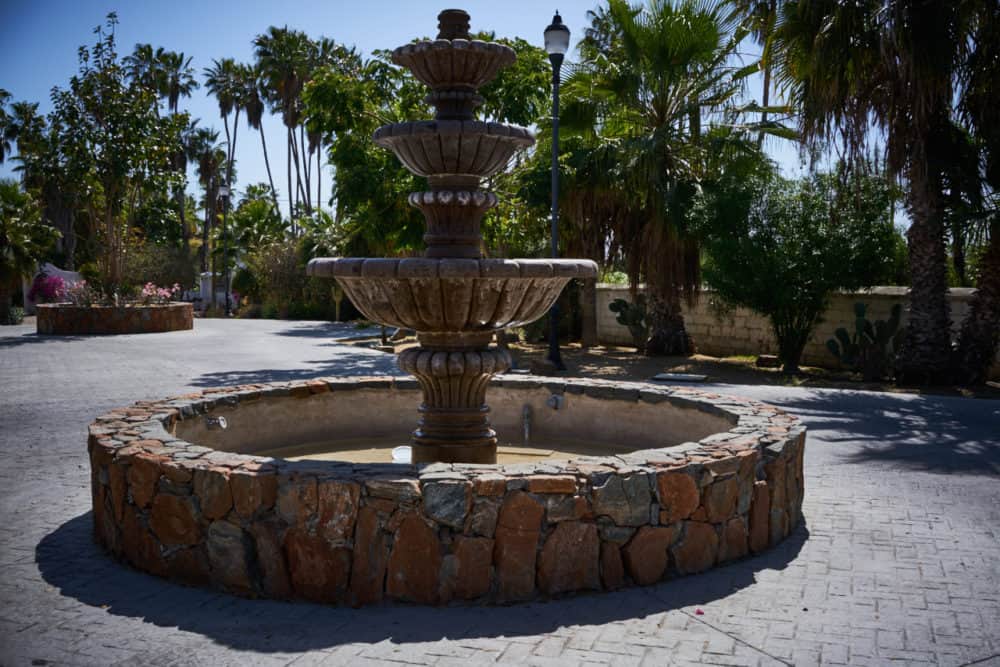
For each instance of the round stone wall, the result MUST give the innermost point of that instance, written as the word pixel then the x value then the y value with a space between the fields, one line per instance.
pixel 68 320
pixel 363 533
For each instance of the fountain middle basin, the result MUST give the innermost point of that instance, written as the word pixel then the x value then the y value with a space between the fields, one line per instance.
pixel 697 479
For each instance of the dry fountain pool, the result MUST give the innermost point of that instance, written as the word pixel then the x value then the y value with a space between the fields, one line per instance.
pixel 696 479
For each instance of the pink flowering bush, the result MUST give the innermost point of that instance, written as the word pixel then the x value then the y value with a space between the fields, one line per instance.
pixel 46 289
pixel 82 294
pixel 152 294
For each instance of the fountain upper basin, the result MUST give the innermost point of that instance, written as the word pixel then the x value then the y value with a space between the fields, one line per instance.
pixel 450 295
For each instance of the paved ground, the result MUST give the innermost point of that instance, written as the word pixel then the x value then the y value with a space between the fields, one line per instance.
pixel 898 559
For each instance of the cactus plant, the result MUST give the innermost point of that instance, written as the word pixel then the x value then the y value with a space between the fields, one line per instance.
pixel 872 347
pixel 633 316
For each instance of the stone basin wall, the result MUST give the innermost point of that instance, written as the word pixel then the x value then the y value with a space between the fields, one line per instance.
pixel 64 319
pixel 364 533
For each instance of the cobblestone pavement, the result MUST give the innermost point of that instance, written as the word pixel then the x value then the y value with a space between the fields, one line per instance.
pixel 897 562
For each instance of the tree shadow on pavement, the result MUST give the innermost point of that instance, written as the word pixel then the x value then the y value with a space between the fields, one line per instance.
pixel 936 434
pixel 70 560
pixel 37 339
pixel 362 363
pixel 335 330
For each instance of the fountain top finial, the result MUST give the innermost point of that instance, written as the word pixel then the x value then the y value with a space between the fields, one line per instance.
pixel 453 24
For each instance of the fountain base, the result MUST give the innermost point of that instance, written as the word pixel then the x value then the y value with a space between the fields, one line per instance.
pixel 687 480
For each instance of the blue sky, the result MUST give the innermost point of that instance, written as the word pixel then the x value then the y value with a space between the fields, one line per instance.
pixel 41 37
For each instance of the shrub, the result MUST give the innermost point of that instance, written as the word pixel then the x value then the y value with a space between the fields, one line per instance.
pixel 46 288
pixel 780 247
pixel 872 349
pixel 633 316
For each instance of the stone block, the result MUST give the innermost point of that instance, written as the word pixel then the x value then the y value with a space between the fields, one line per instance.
pixel 473 571
pixel 415 563
pixel 371 555
pixel 229 551
pixel 268 538
pixel 448 502
pixel 760 510
pixel 720 499
pixel 142 477
pixel 518 530
pixel 253 492
pixel 297 499
pixel 569 560
pixel 623 498
pixel 318 571
pixel 678 495
pixel 646 556
pixel 175 520
pixel 337 508
pixel 211 485
pixel 698 549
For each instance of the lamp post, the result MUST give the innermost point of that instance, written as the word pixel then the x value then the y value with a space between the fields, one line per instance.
pixel 556 44
pixel 224 195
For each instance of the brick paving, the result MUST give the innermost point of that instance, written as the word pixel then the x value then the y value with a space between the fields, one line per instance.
pixel 898 561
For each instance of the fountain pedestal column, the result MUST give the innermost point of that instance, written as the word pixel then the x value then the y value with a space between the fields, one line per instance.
pixel 453 373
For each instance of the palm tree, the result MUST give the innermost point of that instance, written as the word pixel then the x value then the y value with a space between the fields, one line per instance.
pixel 210 158
pixel 177 77
pixel 224 80
pixel 177 81
pixel 6 134
pixel 253 104
pixel 761 17
pixel 895 64
pixel 979 111
pixel 143 67
pixel 23 240
pixel 283 58
pixel 648 75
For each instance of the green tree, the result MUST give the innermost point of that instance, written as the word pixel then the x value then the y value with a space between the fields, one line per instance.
pixel 109 130
pixel 780 247
pixel 283 60
pixel 649 76
pixel 23 240
pixel 901 67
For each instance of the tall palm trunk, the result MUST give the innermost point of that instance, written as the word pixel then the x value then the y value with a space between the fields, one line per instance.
pixel 319 175
pixel 300 192
pixel 765 100
pixel 926 350
pixel 977 342
pixel 306 165
pixel 291 193
pixel 267 165
pixel 181 214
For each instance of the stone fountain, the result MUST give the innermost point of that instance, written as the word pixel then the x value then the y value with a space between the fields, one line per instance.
pixel 453 297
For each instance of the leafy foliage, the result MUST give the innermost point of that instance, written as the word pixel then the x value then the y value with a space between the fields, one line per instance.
pixel 780 247
pixel 870 350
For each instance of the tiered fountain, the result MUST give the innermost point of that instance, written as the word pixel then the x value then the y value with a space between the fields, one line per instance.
pixel 644 482
pixel 453 297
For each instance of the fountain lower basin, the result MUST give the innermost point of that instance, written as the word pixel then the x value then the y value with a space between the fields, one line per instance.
pixel 696 479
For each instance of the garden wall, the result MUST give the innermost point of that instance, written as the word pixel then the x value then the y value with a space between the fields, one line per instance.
pixel 739 331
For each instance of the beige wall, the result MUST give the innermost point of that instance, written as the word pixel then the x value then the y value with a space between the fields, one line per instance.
pixel 740 331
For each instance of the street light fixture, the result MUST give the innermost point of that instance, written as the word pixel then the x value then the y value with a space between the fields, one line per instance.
pixel 556 44
pixel 224 196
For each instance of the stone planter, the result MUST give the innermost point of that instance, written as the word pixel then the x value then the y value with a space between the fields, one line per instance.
pixel 63 319
pixel 706 479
